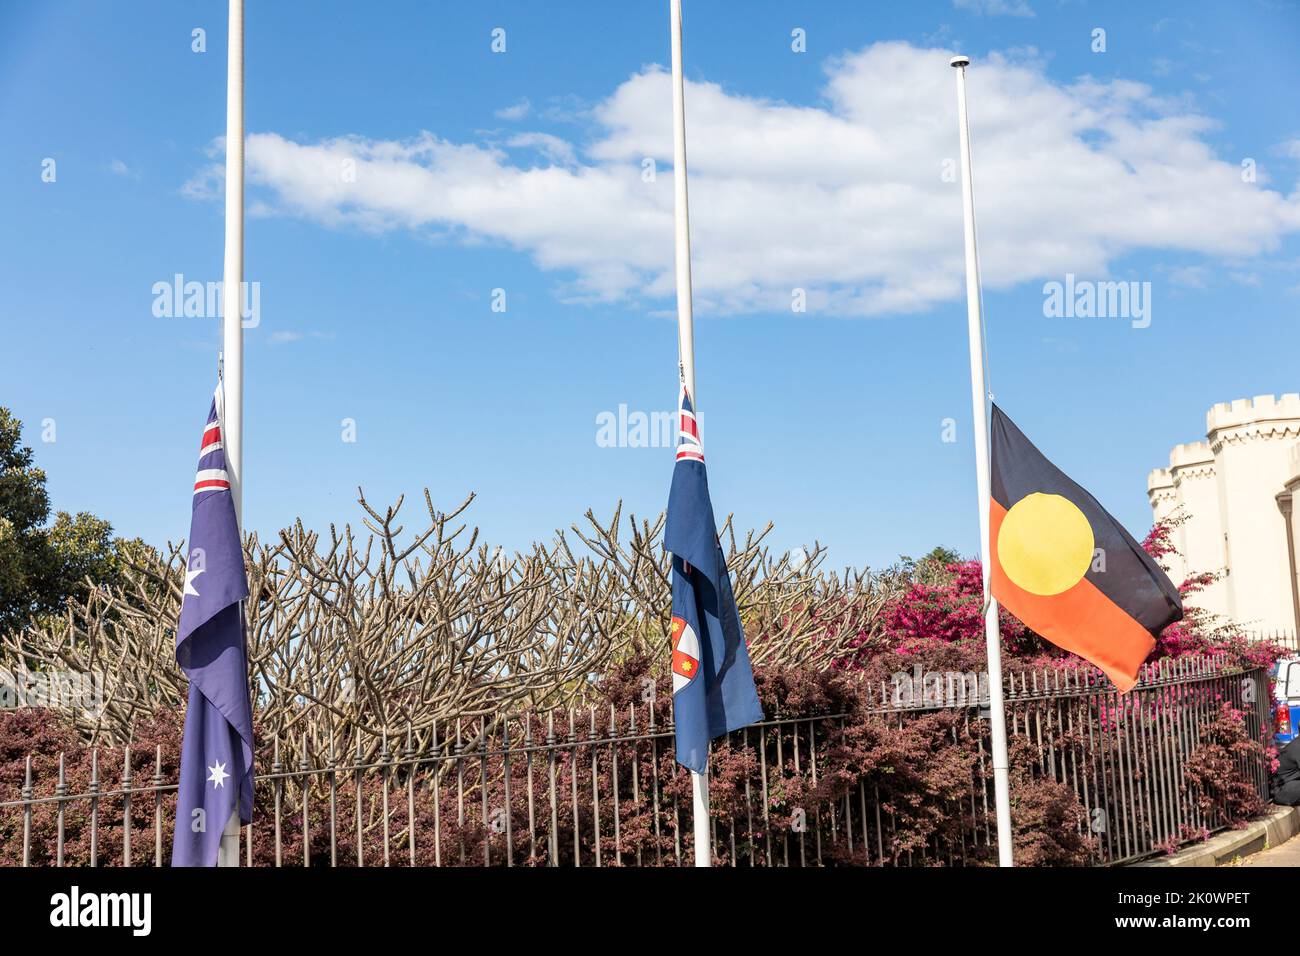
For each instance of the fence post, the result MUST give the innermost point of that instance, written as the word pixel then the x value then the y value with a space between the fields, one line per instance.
pixel 553 838
pixel 277 790
pixel 437 796
pixel 460 793
pixel 157 805
pixel 595 788
pixel 60 792
pixel 94 807
pixel 126 805
pixel 304 770
pixel 334 807
pixel 408 756
pixel 613 779
pixel 361 853
pixel 528 769
pixel 505 767
pixel 483 791
pixel 385 776
pixel 573 777
pixel 27 813
pixel 333 801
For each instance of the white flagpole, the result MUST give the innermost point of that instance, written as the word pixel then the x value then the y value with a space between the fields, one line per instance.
pixel 232 318
pixel 681 215
pixel 686 347
pixel 979 409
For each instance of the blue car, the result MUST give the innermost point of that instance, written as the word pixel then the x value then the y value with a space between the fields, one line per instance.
pixel 1286 710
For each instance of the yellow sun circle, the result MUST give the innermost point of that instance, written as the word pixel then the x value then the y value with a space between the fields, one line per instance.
pixel 1045 544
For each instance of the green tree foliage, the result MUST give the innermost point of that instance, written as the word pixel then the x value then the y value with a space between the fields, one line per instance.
pixel 942 555
pixel 42 563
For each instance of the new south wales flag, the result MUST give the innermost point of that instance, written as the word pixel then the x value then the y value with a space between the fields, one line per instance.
pixel 1066 568
pixel 713 682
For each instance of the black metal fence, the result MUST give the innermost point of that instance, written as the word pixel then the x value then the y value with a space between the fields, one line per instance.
pixel 582 787
pixel 1283 638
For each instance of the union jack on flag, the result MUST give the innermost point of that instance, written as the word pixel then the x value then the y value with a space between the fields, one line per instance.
pixel 688 431
pixel 216 775
pixel 212 474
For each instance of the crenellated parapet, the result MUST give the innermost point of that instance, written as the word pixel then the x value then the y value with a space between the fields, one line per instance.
pixel 1234 494
pixel 1266 418
pixel 1191 461
pixel 1160 489
pixel 1252 441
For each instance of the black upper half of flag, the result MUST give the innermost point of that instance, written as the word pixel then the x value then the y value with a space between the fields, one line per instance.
pixel 1124 572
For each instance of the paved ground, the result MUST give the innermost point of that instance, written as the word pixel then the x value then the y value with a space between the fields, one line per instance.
pixel 1286 854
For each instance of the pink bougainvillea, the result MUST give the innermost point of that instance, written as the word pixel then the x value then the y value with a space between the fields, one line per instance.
pixel 939 615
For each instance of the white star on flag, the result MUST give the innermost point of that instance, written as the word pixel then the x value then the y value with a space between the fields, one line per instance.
pixel 217 774
pixel 189 580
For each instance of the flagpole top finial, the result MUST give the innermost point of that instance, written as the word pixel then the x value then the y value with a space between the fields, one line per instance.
pixel 959 61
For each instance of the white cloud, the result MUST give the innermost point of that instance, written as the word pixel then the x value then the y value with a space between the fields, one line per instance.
pixel 556 150
pixel 119 168
pixel 846 199
pixel 515 111
pixel 206 185
pixel 1190 277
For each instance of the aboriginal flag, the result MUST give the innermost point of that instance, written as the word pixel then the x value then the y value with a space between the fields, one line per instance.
pixel 1066 568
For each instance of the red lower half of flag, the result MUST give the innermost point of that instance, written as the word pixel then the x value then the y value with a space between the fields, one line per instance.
pixel 1080 619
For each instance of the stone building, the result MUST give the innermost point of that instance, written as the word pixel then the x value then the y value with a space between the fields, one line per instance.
pixel 1235 490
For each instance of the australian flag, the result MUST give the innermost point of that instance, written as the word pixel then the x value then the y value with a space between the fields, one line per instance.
pixel 713 684
pixel 217 754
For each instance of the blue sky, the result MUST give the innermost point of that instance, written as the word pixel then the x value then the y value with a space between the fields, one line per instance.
pixel 522 171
